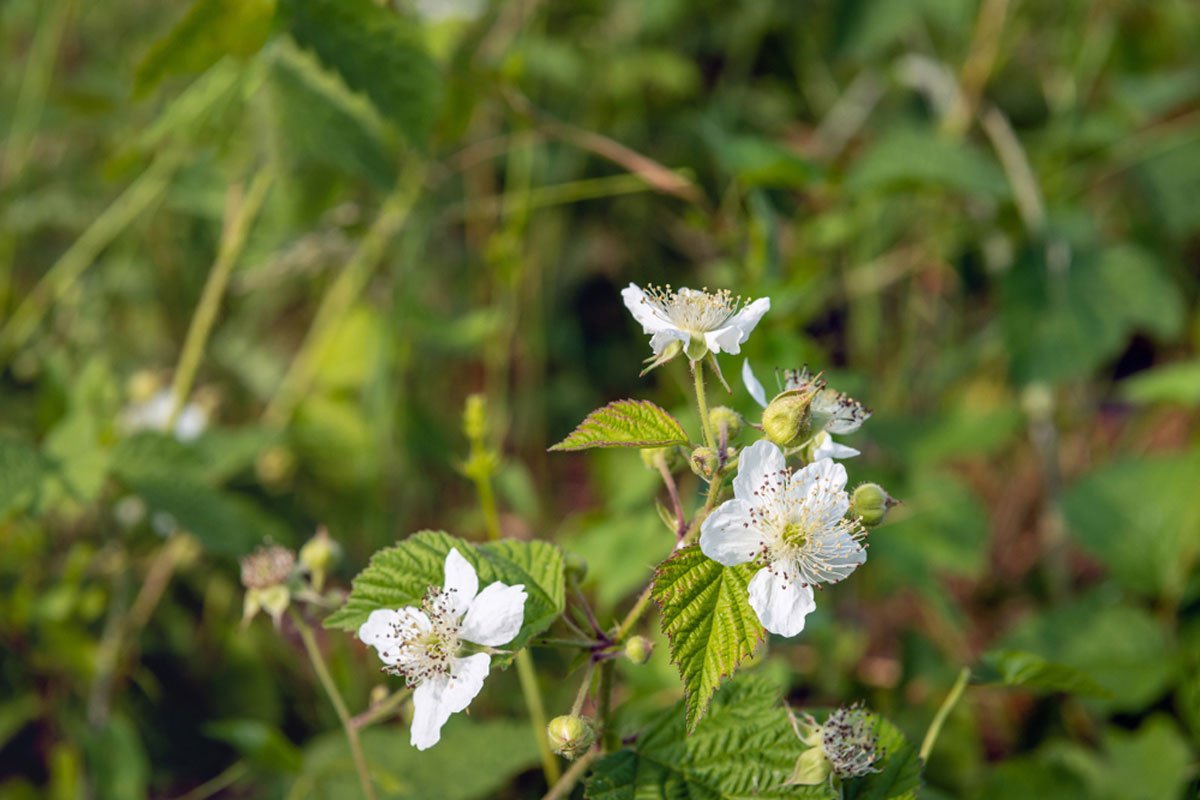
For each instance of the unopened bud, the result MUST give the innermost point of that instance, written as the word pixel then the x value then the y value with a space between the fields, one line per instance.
pixel 724 417
pixel 787 420
pixel 638 649
pixel 704 462
pixel 668 456
pixel 570 735
pixel 475 417
pixel 275 467
pixel 317 555
pixel 870 503
pixel 576 567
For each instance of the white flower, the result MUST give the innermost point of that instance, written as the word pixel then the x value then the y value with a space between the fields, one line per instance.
pixel 832 411
pixel 154 413
pixel 426 644
pixel 700 320
pixel 791 523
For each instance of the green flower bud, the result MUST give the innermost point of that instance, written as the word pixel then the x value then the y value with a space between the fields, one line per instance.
pixel 570 736
pixel 787 420
pixel 670 456
pixel 727 417
pixel 870 503
pixel 475 417
pixel 576 567
pixel 705 462
pixel 317 555
pixel 638 649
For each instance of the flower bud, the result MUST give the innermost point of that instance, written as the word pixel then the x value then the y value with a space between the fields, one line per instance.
pixel 570 735
pixel 725 417
pixel 870 503
pixel 475 417
pixel 669 456
pixel 787 420
pixel 705 462
pixel 638 649
pixel 576 567
pixel 317 555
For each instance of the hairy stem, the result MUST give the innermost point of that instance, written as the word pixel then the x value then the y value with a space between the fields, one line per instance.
pixel 240 212
pixel 562 788
pixel 702 402
pixel 673 490
pixel 382 710
pixel 584 686
pixel 537 714
pixel 939 719
pixel 339 705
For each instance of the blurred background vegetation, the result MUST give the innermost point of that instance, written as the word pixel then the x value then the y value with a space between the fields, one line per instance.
pixel 981 218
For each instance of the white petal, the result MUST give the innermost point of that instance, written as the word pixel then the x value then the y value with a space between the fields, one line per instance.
pixel 828 448
pixel 728 535
pixel 379 631
pixel 779 599
pixel 748 317
pixel 430 713
pixel 839 555
pixel 660 339
pixel 824 472
pixel 466 679
pixel 757 463
pixel 496 615
pixel 461 583
pixel 725 340
pixel 753 385
pixel 635 301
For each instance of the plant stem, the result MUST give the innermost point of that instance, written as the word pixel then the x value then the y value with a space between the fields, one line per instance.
pixel 339 705
pixel 59 279
pixel 240 212
pixel 605 692
pixel 340 297
pixel 562 789
pixel 635 613
pixel 525 671
pixel 382 710
pixel 702 402
pixel 584 686
pixel 229 776
pixel 673 490
pixel 939 719
pixel 537 714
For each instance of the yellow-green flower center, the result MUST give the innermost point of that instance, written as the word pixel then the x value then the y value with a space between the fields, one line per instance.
pixel 794 535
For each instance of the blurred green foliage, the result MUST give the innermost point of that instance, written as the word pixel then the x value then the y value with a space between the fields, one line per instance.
pixel 981 217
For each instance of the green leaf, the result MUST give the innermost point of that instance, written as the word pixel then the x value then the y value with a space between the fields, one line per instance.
pixel 899 768
pixel 1169 383
pixel 224 523
pixel 1031 671
pixel 707 617
pixel 1151 762
pixel 210 30
pixel 318 121
pixel 399 576
pixel 473 760
pixel 1123 648
pixel 922 157
pixel 377 52
pixel 261 743
pixel 744 748
pixel 21 473
pixel 625 423
pixel 1140 519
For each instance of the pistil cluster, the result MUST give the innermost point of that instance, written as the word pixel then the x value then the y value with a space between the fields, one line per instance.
pixel 691 310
